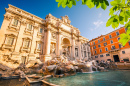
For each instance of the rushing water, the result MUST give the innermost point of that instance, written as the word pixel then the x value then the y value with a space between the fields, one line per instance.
pixel 111 78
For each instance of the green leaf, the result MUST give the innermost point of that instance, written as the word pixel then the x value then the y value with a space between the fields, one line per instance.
pixel 126 18
pixel 123 39
pixel 90 4
pixel 115 8
pixel 127 25
pixel 115 22
pixel 106 2
pixel 110 20
pixel 123 2
pixel 98 5
pixel 73 2
pixel 57 0
pixel 59 4
pixel 118 1
pixel 111 11
pixel 113 3
pixel 63 5
pixel 103 5
pixel 128 13
pixel 121 20
pixel 70 4
pixel 84 2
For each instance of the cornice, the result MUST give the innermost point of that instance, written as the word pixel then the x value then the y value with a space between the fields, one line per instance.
pixel 8 17
pixel 59 20
pixel 105 35
pixel 24 16
pixel 24 11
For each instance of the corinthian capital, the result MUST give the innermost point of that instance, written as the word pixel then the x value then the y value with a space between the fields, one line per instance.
pixel 23 22
pixel 7 17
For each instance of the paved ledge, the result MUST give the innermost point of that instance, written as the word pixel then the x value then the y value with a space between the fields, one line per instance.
pixel 49 84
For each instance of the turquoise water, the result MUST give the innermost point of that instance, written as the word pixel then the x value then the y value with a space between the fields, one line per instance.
pixel 110 78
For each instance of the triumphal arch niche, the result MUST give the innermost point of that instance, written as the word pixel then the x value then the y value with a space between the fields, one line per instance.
pixel 66 47
pixel 65 40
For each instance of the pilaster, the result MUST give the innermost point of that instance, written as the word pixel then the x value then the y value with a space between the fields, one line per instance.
pixel 58 44
pixel 47 43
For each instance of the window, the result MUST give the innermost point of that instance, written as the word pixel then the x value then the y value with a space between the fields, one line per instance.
pixel 126 59
pixel 29 26
pixel 104 39
pixel 100 50
pixel 106 49
pixel 105 44
pixel 129 42
pixel 118 38
pixel 9 41
pixel 85 53
pixel 117 33
pixel 119 45
pixel 107 54
pixel 101 55
pixel 76 52
pixel 95 52
pixel 98 41
pixel 26 43
pixel 109 60
pixel 39 46
pixel 111 41
pixel 41 30
pixel 99 45
pixel 123 52
pixel 15 22
pixel 110 36
pixel 113 47
pixel 94 47
pixel 125 29
pixel 96 56
pixel 94 43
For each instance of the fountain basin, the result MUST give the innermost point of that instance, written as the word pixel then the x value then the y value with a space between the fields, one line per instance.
pixel 110 78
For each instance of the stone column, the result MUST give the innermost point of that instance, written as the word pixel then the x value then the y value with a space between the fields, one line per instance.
pixel 47 42
pixel 79 50
pixel 73 48
pixel 70 51
pixel 58 44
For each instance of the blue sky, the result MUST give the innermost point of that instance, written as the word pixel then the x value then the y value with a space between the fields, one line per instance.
pixel 90 22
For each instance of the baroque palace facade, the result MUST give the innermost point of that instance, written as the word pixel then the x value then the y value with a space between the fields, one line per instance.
pixel 107 48
pixel 25 37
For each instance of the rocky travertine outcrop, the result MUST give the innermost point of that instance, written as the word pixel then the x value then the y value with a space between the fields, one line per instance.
pixel 56 67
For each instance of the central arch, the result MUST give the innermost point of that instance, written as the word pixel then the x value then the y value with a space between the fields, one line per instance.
pixel 66 42
pixel 66 47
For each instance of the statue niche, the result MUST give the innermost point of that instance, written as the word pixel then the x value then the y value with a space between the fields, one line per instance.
pixel 52 50
pixel 66 47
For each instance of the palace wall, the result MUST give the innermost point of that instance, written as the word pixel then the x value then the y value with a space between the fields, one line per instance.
pixel 25 37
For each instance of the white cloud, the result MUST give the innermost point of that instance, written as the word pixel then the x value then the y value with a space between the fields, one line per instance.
pixel 99 15
pixel 97 24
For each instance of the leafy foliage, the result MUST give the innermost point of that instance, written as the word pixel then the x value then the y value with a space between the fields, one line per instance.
pixel 120 13
pixel 90 3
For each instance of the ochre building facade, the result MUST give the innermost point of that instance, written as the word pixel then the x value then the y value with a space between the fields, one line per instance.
pixel 107 48
pixel 25 37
